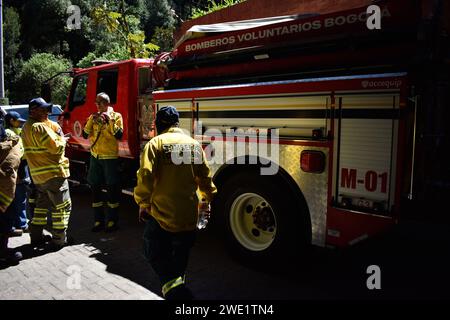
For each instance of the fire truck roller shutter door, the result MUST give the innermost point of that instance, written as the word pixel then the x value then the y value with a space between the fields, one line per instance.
pixel 263 215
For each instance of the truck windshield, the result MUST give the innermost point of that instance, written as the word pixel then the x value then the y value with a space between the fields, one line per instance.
pixel 107 82
pixel 78 96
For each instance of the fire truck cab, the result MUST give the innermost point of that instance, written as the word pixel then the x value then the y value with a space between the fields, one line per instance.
pixel 128 84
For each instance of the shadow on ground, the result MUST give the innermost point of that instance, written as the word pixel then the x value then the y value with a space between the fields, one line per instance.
pixel 412 257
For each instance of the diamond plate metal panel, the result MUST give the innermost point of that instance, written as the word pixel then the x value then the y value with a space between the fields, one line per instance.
pixel 314 187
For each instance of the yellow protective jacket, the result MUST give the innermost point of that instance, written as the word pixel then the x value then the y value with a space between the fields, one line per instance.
pixel 10 155
pixel 44 150
pixel 15 132
pixel 170 189
pixel 104 136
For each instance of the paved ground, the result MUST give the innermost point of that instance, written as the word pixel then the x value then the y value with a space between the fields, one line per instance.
pixel 413 260
pixel 85 270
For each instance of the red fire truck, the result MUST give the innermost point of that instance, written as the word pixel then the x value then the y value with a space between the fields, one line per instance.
pixel 327 102
pixel 128 83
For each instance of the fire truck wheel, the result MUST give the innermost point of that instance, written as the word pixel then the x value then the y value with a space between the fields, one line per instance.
pixel 262 217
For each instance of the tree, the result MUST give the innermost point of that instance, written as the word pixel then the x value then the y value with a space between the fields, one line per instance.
pixel 44 25
pixel 159 15
pixel 184 8
pixel 126 27
pixel 116 53
pixel 163 37
pixel 213 6
pixel 11 32
pixel 78 39
pixel 35 71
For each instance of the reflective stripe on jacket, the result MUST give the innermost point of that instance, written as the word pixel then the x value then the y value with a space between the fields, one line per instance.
pixel 168 185
pixel 104 135
pixel 44 150
pixel 9 163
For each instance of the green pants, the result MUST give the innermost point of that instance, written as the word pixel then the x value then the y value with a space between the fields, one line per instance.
pixel 54 195
pixel 103 173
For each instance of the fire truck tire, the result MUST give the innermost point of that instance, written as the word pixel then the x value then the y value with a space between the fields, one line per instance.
pixel 263 218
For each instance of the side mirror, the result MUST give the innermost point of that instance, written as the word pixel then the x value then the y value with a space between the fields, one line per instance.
pixel 46 91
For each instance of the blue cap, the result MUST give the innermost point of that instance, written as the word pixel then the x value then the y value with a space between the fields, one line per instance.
pixel 167 116
pixel 14 115
pixel 39 103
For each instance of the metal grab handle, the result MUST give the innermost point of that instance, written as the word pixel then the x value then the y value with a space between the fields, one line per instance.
pixel 410 194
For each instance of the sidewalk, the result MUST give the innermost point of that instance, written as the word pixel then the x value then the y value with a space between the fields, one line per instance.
pixel 98 266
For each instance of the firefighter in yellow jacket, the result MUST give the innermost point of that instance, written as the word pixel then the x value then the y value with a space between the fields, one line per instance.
pixel 13 124
pixel 104 128
pixel 173 171
pixel 44 145
pixel 10 154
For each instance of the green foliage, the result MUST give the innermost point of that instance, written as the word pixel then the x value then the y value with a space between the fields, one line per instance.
pixel 43 26
pixel 163 37
pixel 117 53
pixel 11 33
pixel 125 26
pixel 213 6
pixel 120 53
pixel 110 30
pixel 86 62
pixel 35 71
pixel 159 14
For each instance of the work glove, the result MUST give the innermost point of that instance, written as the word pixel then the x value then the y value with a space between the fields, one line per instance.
pixel 105 117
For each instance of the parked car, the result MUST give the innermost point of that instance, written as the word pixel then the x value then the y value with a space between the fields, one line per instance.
pixel 22 109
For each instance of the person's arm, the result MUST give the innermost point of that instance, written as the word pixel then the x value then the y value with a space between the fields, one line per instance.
pixel 146 175
pixel 116 126
pixel 88 127
pixel 9 163
pixel 203 179
pixel 47 139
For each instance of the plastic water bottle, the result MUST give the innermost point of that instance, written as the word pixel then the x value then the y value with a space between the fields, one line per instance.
pixel 204 210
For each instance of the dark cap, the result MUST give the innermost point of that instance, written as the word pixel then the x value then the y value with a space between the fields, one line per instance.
pixel 166 117
pixel 39 103
pixel 14 115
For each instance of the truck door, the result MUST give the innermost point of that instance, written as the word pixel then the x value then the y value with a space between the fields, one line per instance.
pixel 76 111
pixel 145 107
pixel 366 152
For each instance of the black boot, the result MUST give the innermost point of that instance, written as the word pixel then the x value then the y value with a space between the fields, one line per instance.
pixel 98 226
pixel 37 236
pixel 8 256
pixel 59 240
